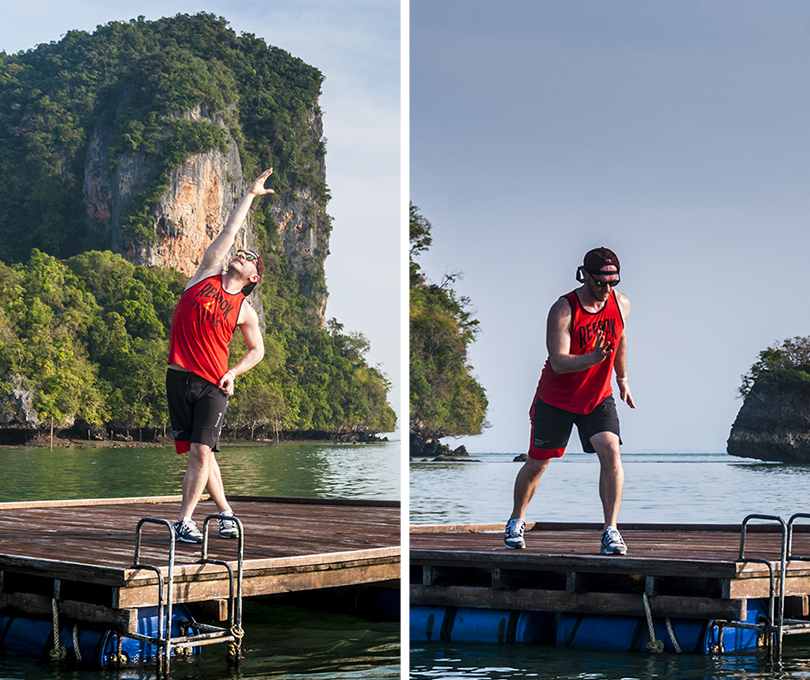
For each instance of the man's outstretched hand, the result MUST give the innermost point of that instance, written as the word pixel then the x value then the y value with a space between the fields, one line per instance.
pixel 258 188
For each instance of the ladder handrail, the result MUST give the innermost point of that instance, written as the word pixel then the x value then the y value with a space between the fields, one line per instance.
pixel 791 521
pixel 780 617
pixel 234 606
pixel 166 641
pixel 164 638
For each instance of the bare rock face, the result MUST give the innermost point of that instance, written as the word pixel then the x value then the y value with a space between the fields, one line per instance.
pixel 201 194
pixel 772 427
pixel 17 408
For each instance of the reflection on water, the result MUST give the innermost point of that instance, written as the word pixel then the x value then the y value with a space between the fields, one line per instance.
pixel 668 488
pixel 306 470
pixel 484 662
pixel 280 641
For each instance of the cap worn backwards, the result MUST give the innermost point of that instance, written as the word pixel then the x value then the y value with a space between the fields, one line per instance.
pixel 600 257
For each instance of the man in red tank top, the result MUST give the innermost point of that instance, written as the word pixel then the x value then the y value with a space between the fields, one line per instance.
pixel 198 380
pixel 586 341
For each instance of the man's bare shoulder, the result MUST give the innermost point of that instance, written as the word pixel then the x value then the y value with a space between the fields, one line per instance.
pixel 560 310
pixel 247 315
pixel 623 302
pixel 201 274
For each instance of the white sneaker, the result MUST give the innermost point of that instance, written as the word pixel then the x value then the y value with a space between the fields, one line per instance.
pixel 227 528
pixel 513 536
pixel 187 532
pixel 612 542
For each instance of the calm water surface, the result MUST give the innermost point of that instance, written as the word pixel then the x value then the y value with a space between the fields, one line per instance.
pixel 667 487
pixel 280 641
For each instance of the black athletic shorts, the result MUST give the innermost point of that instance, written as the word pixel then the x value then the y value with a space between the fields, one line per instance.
pixel 196 409
pixel 551 427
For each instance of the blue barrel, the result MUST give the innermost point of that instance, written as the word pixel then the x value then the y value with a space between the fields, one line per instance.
pixel 136 651
pixel 587 631
pixel 631 633
pixel 480 625
pixel 32 636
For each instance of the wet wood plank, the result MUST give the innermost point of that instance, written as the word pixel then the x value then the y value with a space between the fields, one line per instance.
pixel 84 550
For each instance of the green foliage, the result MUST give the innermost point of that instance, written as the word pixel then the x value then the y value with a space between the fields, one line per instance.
pixel 88 331
pixel 90 338
pixel 785 367
pixel 45 313
pixel 445 399
pixel 149 82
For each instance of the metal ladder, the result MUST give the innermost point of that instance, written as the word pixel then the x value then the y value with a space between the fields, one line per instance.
pixel 205 635
pixel 776 626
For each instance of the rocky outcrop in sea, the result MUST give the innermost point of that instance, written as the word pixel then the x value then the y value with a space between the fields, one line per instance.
pixel 772 427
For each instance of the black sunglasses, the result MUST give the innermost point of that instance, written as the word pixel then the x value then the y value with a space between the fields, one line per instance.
pixel 604 284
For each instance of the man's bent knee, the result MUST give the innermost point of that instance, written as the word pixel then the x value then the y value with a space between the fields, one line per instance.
pixel 536 467
pixel 200 453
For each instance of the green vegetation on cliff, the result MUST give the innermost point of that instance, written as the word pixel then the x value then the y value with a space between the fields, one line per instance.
pixel 89 338
pixel 143 77
pixel 780 369
pixel 445 399
pixel 84 331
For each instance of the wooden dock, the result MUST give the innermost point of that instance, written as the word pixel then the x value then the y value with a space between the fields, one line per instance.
pixel 687 571
pixel 81 552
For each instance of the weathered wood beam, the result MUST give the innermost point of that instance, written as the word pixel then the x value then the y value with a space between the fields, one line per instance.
pixel 618 604
pixel 195 591
pixel 760 587
pixel 29 604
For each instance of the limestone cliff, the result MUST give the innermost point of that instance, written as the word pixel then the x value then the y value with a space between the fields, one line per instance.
pixel 190 213
pixel 773 427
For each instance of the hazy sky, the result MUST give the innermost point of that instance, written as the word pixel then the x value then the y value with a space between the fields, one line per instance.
pixel 674 133
pixel 356 45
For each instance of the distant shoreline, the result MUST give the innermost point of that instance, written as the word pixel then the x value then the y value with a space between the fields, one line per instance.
pixel 71 443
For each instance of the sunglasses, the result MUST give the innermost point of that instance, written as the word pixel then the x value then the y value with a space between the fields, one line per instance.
pixel 249 254
pixel 604 284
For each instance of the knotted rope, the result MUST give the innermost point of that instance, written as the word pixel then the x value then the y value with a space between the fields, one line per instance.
pixel 234 645
pixel 655 646
pixel 58 652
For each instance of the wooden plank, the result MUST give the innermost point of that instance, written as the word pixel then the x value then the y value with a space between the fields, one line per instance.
pixel 121 620
pixel 89 502
pixel 105 576
pixel 607 564
pixel 761 587
pixel 211 610
pixel 258 567
pixel 351 502
pixel 266 584
pixel 616 604
pixel 592 526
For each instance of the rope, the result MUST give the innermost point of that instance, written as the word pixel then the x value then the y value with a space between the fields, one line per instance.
pixel 234 646
pixel 672 637
pixel 655 646
pixel 76 649
pixel 119 658
pixel 58 652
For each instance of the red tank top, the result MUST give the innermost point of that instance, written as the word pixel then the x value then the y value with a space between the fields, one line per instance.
pixel 582 391
pixel 202 327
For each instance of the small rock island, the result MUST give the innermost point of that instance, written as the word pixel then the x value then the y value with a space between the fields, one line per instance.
pixel 773 423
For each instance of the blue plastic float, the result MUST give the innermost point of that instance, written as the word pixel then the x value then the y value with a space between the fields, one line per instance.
pixel 31 636
pixel 587 631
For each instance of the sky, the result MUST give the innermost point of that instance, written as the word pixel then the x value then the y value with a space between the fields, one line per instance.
pixel 675 134
pixel 356 45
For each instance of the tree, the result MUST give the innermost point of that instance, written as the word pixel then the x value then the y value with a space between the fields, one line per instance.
pixel 783 367
pixel 445 398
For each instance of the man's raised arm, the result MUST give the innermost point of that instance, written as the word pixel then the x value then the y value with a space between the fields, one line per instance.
pixel 220 246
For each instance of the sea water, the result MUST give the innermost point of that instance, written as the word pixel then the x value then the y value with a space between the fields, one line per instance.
pixel 280 641
pixel 659 487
